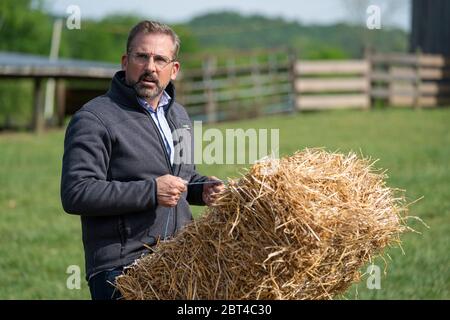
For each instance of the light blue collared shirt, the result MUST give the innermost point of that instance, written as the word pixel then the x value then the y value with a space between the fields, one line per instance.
pixel 160 120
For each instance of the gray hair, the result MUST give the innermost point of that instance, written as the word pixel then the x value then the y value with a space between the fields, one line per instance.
pixel 154 27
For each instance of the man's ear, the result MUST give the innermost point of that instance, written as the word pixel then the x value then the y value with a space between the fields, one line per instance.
pixel 124 61
pixel 175 68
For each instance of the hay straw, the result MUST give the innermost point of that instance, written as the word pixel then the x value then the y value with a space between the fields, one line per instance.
pixel 296 228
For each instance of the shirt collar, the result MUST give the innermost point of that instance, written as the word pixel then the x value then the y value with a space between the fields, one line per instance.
pixel 163 102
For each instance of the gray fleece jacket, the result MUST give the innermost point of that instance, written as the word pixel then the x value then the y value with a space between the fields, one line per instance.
pixel 113 152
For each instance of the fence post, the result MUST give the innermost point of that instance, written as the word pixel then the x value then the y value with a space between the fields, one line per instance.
pixel 368 75
pixel 293 75
pixel 417 80
pixel 273 65
pixel 256 72
pixel 233 103
pixel 391 85
pixel 60 101
pixel 38 106
pixel 209 66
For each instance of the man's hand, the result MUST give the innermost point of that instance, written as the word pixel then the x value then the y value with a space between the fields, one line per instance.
pixel 211 191
pixel 169 189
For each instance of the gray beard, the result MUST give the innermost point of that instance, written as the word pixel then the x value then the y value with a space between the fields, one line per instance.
pixel 147 93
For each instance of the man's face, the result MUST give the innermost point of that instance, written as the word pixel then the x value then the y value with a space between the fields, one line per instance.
pixel 148 79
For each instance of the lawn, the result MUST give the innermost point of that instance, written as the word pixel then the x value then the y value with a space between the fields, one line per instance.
pixel 38 241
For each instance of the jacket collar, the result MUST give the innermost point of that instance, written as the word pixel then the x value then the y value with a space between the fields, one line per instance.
pixel 125 95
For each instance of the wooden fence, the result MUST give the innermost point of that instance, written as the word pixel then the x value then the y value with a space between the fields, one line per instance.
pixel 419 80
pixel 246 85
pixel 249 85
pixel 332 84
pixel 237 86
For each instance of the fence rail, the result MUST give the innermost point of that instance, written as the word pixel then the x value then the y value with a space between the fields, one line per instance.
pixel 259 86
pixel 420 80
pixel 331 84
pixel 241 86
pixel 235 86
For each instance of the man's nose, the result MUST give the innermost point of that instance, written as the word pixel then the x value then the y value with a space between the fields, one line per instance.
pixel 151 64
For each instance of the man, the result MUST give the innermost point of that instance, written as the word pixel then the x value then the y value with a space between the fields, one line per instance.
pixel 121 171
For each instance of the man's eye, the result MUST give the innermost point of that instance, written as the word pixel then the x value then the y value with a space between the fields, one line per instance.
pixel 160 59
pixel 142 56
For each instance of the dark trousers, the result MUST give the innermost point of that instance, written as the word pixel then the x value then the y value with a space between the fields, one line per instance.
pixel 101 286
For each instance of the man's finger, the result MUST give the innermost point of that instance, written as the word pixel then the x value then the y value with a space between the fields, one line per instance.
pixel 165 195
pixel 171 192
pixel 180 185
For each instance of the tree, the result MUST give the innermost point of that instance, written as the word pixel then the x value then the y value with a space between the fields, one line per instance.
pixel 24 27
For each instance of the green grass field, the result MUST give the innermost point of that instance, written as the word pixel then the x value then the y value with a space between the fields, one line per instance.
pixel 38 241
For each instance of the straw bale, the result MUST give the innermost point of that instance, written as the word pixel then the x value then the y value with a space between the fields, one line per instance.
pixel 299 227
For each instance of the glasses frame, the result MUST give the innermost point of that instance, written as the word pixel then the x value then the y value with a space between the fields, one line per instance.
pixel 139 55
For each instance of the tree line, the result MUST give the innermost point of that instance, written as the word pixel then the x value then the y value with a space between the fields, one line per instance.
pixel 26 26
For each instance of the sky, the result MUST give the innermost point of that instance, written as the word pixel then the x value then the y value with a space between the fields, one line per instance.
pixel 393 12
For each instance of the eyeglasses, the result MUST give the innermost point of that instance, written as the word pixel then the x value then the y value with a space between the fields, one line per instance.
pixel 160 61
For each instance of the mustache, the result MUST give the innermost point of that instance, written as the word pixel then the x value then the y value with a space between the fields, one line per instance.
pixel 148 77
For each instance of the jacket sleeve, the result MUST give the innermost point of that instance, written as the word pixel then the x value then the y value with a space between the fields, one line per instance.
pixel 194 195
pixel 85 188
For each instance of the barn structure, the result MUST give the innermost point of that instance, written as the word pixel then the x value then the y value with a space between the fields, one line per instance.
pixel 39 69
pixel 430 27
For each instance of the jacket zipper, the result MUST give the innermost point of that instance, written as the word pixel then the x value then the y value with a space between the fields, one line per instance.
pixel 167 162
pixel 122 234
pixel 179 169
pixel 160 140
pixel 174 128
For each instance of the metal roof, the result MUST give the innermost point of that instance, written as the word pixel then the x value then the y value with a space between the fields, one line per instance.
pixel 14 64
